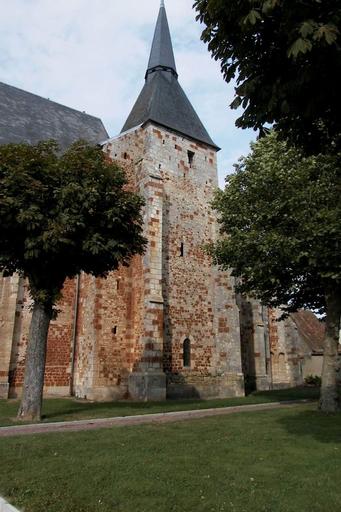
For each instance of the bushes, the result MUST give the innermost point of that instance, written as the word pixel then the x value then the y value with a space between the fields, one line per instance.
pixel 313 380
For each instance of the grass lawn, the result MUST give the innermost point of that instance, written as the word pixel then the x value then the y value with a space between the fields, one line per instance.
pixel 66 409
pixel 286 460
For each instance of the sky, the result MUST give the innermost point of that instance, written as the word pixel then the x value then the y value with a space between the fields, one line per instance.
pixel 92 55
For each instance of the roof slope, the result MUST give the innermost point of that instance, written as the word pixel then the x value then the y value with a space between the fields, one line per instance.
pixel 26 117
pixel 162 99
pixel 310 328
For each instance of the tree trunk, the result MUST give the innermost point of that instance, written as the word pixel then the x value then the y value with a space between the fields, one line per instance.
pixel 32 397
pixel 329 399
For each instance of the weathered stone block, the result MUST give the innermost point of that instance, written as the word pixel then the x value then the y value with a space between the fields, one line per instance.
pixel 147 386
pixel 262 383
pixel 4 390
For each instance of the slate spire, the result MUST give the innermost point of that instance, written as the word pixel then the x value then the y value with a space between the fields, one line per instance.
pixel 162 100
pixel 161 55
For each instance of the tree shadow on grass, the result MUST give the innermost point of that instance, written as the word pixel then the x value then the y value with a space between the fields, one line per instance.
pixel 105 409
pixel 287 394
pixel 55 410
pixel 325 428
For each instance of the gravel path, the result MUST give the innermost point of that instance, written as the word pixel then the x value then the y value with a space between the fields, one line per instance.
pixel 166 417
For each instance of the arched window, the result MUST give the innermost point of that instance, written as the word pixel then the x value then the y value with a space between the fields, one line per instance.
pixel 186 355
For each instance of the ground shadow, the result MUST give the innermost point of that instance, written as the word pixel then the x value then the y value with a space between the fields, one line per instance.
pixel 123 408
pixel 325 428
pixel 286 394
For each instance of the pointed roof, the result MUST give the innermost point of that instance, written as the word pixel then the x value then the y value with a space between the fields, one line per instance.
pixel 162 50
pixel 162 99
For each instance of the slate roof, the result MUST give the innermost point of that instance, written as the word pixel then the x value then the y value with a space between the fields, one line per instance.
pixel 162 99
pixel 26 117
pixel 162 50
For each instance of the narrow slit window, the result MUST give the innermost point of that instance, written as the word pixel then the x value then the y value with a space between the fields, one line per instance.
pixel 182 249
pixel 114 330
pixel 186 353
pixel 190 155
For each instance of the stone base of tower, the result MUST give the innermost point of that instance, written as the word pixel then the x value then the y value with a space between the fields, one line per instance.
pixel 101 393
pixel 4 390
pixel 15 392
pixel 205 386
pixel 262 383
pixel 147 386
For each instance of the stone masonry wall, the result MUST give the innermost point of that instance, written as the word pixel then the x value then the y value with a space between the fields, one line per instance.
pixel 255 344
pixel 287 351
pixel 16 312
pixel 182 291
pixel 8 302
pixel 110 312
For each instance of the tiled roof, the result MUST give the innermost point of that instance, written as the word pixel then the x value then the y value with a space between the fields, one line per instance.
pixel 310 328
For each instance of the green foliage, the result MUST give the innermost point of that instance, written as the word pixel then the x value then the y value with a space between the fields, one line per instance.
pixel 313 380
pixel 63 214
pixel 287 63
pixel 280 214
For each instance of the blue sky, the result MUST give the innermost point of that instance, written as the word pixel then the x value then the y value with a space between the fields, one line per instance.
pixel 92 54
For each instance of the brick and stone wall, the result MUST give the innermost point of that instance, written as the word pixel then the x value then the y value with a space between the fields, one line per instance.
pixel 273 352
pixel 288 352
pixel 16 306
pixel 254 322
pixel 185 298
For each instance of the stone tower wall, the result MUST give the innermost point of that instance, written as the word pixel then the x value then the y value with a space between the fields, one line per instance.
pixel 111 313
pixel 183 293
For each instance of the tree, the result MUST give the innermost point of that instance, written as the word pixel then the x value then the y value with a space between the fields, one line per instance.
pixel 287 62
pixel 280 213
pixel 61 215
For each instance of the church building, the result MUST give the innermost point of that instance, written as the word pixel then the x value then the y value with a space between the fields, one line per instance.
pixel 170 325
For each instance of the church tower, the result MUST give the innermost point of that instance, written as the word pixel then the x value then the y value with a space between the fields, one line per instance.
pixel 186 340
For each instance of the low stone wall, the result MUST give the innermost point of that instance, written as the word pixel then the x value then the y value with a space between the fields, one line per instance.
pixel 6 507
